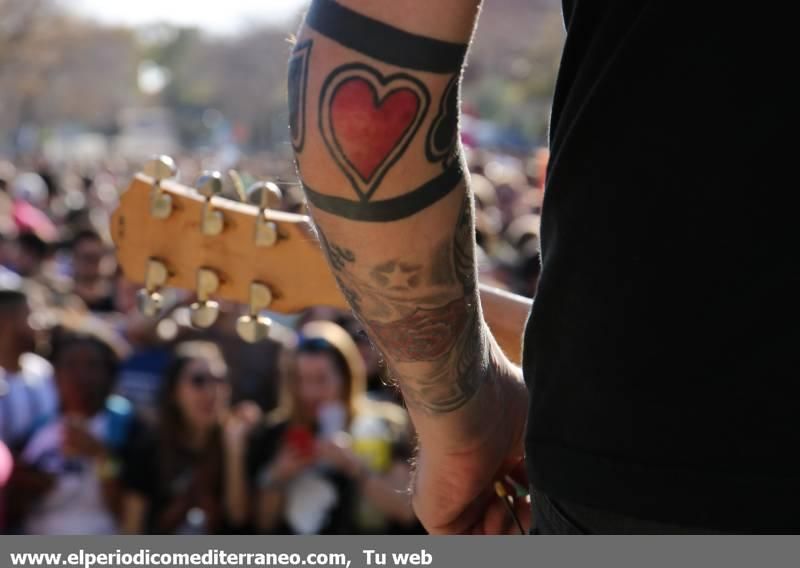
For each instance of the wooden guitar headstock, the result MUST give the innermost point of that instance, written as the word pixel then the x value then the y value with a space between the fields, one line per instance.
pixel 170 235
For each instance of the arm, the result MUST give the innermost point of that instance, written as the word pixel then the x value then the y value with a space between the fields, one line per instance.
pixel 506 315
pixel 374 91
pixel 389 492
pixel 268 509
pixel 272 480
pixel 237 503
pixel 134 512
pixel 239 424
pixel 112 492
pixel 25 487
pixel 79 441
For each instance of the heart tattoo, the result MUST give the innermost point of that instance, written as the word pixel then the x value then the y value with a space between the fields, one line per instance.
pixel 368 120
pixel 298 82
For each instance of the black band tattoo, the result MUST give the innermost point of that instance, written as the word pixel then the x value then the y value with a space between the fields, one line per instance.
pixel 394 208
pixel 298 85
pixel 384 42
pixel 368 120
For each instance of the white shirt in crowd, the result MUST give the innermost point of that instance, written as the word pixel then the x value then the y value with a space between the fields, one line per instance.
pixel 74 505
pixel 27 399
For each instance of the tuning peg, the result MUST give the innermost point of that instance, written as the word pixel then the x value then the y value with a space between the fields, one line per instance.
pixel 160 168
pixel 238 185
pixel 265 195
pixel 148 299
pixel 253 328
pixel 209 185
pixel 204 311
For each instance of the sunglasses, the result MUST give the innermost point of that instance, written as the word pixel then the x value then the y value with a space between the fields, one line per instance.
pixel 203 380
pixel 314 345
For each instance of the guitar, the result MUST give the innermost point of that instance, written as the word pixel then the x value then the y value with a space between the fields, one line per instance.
pixel 170 235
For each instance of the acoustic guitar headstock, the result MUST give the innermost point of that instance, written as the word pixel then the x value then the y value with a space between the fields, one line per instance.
pixel 170 235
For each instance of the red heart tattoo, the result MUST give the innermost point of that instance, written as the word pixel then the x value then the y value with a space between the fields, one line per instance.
pixel 367 129
pixel 368 120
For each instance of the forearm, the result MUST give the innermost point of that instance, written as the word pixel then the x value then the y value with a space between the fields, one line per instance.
pixel 268 510
pixel 174 514
pixel 236 488
pixel 134 513
pixel 375 131
pixel 111 492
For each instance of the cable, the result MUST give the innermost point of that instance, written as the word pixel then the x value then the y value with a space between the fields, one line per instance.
pixel 500 489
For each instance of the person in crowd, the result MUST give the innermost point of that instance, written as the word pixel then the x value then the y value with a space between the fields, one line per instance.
pixel 89 282
pixel 80 452
pixel 519 254
pixel 6 467
pixel 142 371
pixel 27 394
pixel 172 485
pixel 7 173
pixel 8 239
pixel 190 478
pixel 32 255
pixel 44 285
pixel 328 460
pixel 253 368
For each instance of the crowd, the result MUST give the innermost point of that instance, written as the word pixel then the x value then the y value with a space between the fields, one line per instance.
pixel 111 422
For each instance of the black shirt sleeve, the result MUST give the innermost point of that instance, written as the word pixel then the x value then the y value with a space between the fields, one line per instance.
pixel 264 444
pixel 139 464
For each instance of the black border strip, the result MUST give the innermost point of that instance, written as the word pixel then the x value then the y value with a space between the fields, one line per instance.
pixel 302 52
pixel 384 42
pixel 392 209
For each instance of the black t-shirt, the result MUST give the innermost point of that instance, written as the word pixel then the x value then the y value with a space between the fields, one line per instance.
pixel 664 344
pixel 346 515
pixel 266 442
pixel 167 474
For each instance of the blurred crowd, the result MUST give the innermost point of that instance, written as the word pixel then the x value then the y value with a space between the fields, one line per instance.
pixel 111 422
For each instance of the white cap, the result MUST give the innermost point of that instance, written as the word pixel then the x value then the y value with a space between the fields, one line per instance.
pixel 30 187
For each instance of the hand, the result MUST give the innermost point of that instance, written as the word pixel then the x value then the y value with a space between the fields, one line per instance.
pixel 239 423
pixel 78 441
pixel 337 452
pixel 453 493
pixel 289 463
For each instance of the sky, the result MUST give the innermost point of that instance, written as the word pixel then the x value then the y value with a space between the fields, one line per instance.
pixel 216 17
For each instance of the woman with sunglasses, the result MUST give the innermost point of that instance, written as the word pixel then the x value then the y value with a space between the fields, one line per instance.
pixel 190 479
pixel 328 460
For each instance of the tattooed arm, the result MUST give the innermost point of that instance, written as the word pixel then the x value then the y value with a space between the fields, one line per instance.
pixel 374 117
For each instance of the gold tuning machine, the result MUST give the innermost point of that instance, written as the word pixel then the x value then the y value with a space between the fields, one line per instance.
pixel 160 168
pixel 212 221
pixel 253 328
pixel 148 299
pixel 204 311
pixel 265 195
